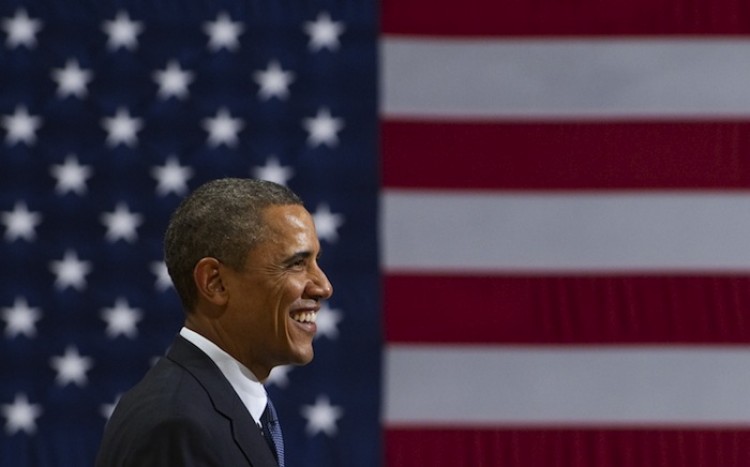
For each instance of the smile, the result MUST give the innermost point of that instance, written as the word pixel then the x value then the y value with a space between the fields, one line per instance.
pixel 305 316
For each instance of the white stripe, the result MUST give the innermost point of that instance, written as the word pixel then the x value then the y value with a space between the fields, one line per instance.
pixel 576 386
pixel 565 78
pixel 565 232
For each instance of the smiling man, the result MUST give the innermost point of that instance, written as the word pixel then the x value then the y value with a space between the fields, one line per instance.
pixel 243 256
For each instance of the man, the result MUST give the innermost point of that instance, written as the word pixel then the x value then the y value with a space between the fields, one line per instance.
pixel 243 256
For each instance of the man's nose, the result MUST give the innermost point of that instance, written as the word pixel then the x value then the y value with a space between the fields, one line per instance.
pixel 320 286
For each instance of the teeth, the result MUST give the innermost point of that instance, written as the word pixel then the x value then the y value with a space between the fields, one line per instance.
pixel 305 316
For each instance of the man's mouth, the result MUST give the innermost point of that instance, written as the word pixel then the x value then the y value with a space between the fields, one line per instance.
pixel 305 316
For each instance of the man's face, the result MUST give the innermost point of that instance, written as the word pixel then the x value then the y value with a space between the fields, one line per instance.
pixel 270 314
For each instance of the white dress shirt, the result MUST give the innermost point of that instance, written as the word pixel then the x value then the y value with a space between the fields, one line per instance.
pixel 246 385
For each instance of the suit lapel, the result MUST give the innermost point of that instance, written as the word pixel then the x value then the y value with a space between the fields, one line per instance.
pixel 225 401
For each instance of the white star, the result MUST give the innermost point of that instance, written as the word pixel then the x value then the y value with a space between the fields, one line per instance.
pixel 71 176
pixel 279 376
pixel 21 126
pixel 20 223
pixel 327 322
pixel 20 415
pixel 70 271
pixel 223 129
pixel 71 367
pixel 173 81
pixel 327 223
pixel 321 417
pixel 273 171
pixel 21 30
pixel 122 128
pixel 121 319
pixel 121 223
pixel 171 177
pixel 122 31
pixel 163 281
pixel 323 32
pixel 71 80
pixel 107 409
pixel 323 129
pixel 21 319
pixel 223 33
pixel 273 81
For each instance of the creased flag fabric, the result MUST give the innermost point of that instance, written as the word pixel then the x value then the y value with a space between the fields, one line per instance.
pixel 565 220
pixel 110 113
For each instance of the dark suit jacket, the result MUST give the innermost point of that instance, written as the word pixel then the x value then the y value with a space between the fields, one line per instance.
pixel 183 413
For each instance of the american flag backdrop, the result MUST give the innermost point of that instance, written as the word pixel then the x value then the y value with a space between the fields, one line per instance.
pixel 555 195
pixel 110 113
pixel 565 232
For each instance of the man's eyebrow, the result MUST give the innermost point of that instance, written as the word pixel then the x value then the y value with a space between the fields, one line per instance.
pixel 301 255
pixel 297 256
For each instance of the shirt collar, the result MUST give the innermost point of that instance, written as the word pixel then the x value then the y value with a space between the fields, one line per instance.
pixel 246 385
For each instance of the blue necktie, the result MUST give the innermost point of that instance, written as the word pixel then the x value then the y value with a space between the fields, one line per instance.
pixel 272 430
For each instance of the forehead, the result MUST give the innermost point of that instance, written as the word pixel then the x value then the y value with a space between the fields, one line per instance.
pixel 290 217
pixel 289 225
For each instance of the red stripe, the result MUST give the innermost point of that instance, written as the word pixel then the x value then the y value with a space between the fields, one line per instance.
pixel 418 154
pixel 566 448
pixel 567 310
pixel 583 17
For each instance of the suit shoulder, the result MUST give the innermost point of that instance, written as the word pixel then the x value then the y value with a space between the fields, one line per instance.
pixel 167 440
pixel 166 388
pixel 166 414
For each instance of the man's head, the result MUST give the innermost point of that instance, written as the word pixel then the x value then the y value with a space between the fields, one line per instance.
pixel 221 219
pixel 243 257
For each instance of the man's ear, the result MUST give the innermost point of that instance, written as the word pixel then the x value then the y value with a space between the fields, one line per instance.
pixel 208 280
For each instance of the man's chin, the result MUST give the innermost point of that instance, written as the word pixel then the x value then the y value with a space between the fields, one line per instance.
pixel 303 357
